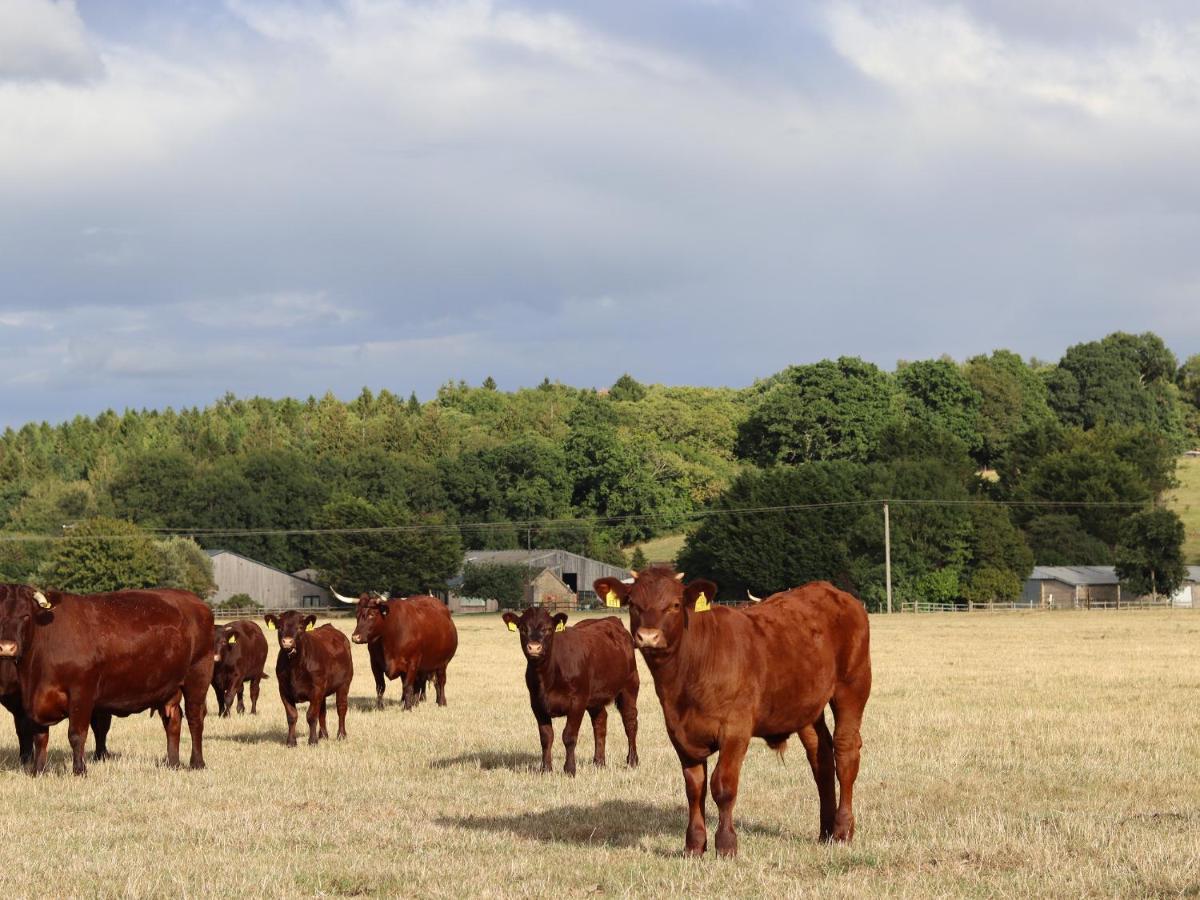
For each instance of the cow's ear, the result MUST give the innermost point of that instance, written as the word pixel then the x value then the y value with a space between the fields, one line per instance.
pixel 272 622
pixel 383 607
pixel 310 622
pixel 232 639
pixel 612 591
pixel 510 619
pixel 560 621
pixel 699 595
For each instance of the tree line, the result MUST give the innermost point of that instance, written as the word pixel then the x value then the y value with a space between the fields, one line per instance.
pixel 596 471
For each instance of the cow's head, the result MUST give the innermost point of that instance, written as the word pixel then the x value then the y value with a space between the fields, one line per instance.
pixel 660 605
pixel 21 607
pixel 372 610
pixel 224 643
pixel 290 625
pixel 537 629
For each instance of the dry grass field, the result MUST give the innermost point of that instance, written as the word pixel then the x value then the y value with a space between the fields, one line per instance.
pixel 1007 754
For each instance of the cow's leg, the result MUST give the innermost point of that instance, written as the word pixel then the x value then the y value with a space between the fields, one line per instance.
pixel 101 722
pixel 241 697
pixel 847 742
pixel 254 684
pixel 377 669
pixel 343 703
pixel 440 683
pixel 818 746
pixel 195 692
pixel 724 791
pixel 599 732
pixel 41 748
pixel 410 687
pixel 695 785
pixel 24 738
pixel 219 690
pixel 172 719
pixel 289 710
pixel 324 732
pixel 79 717
pixel 570 738
pixel 316 698
pixel 546 736
pixel 627 707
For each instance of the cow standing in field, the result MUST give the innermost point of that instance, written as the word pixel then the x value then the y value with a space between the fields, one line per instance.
pixel 726 675
pixel 313 663
pixel 10 699
pixel 572 670
pixel 413 639
pixel 88 658
pixel 239 655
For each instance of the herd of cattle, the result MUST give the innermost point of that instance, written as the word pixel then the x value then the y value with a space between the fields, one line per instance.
pixel 722 675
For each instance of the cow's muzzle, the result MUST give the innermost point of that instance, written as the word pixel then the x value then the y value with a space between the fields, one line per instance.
pixel 534 648
pixel 650 639
pixel 357 638
pixel 8 649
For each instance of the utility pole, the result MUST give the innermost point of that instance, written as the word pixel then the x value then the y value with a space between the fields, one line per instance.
pixel 887 553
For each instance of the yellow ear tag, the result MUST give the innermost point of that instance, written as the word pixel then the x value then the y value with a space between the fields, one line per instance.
pixel 702 603
pixel 512 626
pixel 270 626
pixel 232 639
pixel 310 626
pixel 41 599
pixel 612 599
pixel 562 626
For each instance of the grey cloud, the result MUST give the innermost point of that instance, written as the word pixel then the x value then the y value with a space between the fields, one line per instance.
pixel 45 40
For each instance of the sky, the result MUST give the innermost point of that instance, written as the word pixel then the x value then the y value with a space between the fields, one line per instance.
pixel 287 198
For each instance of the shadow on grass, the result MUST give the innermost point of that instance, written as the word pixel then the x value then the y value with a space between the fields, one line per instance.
pixel 612 823
pixel 368 705
pixel 489 760
pixel 258 737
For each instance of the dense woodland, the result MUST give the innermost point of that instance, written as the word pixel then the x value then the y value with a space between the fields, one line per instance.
pixel 994 439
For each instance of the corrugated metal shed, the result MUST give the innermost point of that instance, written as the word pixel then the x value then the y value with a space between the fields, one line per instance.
pixel 576 571
pixel 1076 574
pixel 268 586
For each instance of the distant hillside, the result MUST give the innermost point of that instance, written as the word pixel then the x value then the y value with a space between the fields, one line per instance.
pixel 1185 500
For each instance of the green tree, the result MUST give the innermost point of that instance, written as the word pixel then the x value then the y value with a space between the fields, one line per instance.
pixel 1013 400
pixel 183 564
pixel 496 581
pixel 637 561
pixel 937 393
pixel 419 557
pixel 827 410
pixel 1150 553
pixel 1123 379
pixel 1059 539
pixel 150 487
pixel 627 388
pixel 102 554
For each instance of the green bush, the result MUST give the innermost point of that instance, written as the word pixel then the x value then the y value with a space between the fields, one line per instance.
pixel 238 603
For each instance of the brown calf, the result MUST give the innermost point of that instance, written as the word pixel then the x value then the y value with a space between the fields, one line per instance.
pixel 412 638
pixel 239 655
pixel 88 658
pixel 570 670
pixel 726 675
pixel 312 664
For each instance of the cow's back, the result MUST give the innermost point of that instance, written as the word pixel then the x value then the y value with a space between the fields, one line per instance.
pixel 252 644
pixel 594 657
pixel 327 657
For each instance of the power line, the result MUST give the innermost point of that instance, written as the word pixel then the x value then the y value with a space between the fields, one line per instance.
pixel 550 523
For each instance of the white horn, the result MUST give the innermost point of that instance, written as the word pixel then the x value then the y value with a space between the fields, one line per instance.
pixel 633 573
pixel 680 576
pixel 349 600
pixel 752 597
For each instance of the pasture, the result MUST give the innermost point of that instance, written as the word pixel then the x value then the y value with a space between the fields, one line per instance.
pixel 1006 754
pixel 1185 500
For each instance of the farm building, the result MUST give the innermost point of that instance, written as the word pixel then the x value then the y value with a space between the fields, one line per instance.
pixel 1082 587
pixel 575 573
pixel 547 589
pixel 269 587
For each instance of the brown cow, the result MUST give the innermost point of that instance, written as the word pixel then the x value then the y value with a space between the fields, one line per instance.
pixel 570 670
pixel 413 639
pixel 107 654
pixel 239 654
pixel 726 675
pixel 312 664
